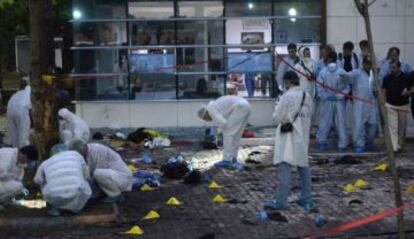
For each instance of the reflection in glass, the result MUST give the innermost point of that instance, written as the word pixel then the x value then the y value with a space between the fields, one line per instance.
pixel 100 61
pixel 200 8
pixel 153 87
pixel 104 9
pixel 99 34
pixel 242 8
pixel 300 7
pixel 102 87
pixel 200 86
pixel 150 9
pixel 152 33
pixel 299 31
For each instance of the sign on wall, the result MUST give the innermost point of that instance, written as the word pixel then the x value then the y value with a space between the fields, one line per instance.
pixel 253 24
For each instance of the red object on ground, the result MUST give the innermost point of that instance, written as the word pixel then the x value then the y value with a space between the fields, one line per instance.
pixel 248 134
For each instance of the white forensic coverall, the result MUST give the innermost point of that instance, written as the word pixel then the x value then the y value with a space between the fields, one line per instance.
pixel 109 170
pixel 63 181
pixel 305 83
pixel 73 123
pixel 230 113
pixel 18 118
pixel 11 174
pixel 292 147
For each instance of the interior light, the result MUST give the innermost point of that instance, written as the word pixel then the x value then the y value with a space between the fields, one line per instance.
pixel 76 14
pixel 293 19
pixel 250 5
pixel 293 12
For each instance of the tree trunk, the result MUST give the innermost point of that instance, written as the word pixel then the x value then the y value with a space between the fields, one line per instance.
pixel 363 10
pixel 43 92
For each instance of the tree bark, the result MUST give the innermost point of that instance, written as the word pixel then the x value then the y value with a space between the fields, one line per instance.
pixel 43 93
pixel 363 10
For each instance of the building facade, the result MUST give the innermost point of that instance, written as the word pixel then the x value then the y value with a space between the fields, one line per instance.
pixel 154 63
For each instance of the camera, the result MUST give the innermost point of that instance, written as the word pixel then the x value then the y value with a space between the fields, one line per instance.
pixel 286 128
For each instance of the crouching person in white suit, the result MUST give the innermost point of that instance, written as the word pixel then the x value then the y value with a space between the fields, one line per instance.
pixel 12 164
pixel 107 168
pixel 230 113
pixel 63 182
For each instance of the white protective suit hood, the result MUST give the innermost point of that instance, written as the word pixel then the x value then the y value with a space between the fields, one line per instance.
pixel 73 123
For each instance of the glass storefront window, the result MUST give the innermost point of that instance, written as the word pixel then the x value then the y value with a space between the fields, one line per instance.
pixel 253 84
pixel 150 9
pixel 100 61
pixel 200 86
pixel 103 9
pixel 160 61
pixel 249 62
pixel 153 87
pixel 99 34
pixel 297 8
pixel 241 8
pixel 152 33
pixel 102 87
pixel 200 8
pixel 200 59
pixel 172 52
pixel 297 30
pixel 199 32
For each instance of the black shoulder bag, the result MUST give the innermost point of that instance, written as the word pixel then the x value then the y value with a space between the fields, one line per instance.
pixel 288 127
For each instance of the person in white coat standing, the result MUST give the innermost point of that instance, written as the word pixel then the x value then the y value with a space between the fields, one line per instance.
pixel 107 169
pixel 73 123
pixel 292 116
pixel 12 164
pixel 231 114
pixel 63 182
pixel 306 66
pixel 18 118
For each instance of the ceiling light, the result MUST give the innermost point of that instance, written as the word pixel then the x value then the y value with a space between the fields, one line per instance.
pixel 293 12
pixel 76 14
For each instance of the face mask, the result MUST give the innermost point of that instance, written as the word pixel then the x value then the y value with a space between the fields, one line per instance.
pixel 331 67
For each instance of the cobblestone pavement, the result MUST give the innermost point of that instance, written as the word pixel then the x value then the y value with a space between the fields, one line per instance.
pixel 245 192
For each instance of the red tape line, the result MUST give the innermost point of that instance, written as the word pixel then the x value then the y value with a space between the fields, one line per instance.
pixel 360 222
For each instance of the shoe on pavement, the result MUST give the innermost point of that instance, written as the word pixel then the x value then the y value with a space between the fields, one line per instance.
pixel 321 147
pixel 273 205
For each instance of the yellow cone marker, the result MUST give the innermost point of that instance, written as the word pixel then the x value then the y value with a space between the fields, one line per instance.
pixel 360 183
pixel 218 198
pixel 410 188
pixel 349 188
pixel 132 168
pixel 135 230
pixel 382 167
pixel 173 202
pixel 146 187
pixel 214 185
pixel 151 215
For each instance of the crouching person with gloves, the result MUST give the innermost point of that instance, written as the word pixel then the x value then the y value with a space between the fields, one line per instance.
pixel 12 164
pixel 63 182
pixel 107 169
pixel 293 119
pixel 230 113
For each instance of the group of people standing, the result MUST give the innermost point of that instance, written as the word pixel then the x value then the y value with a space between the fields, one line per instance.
pixel 320 90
